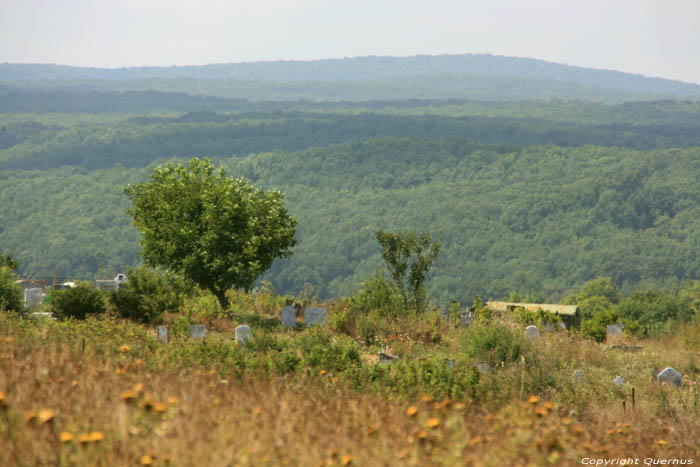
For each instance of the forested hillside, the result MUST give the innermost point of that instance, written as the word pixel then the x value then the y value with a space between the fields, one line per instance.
pixel 533 195
pixel 365 69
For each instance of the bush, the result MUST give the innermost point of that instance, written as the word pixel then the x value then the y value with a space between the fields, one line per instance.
pixel 494 343
pixel 78 302
pixel 10 293
pixel 378 293
pixel 145 297
pixel 322 350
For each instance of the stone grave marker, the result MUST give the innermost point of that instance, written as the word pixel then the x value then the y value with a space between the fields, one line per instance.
pixel 671 376
pixel 289 316
pixel 198 331
pixel 33 296
pixel 613 330
pixel 467 317
pixel 243 334
pixel 483 367
pixel 163 333
pixel 107 285
pixel 385 358
pixel 578 374
pixel 450 363
pixel 532 333
pixel 619 381
pixel 562 325
pixel 314 316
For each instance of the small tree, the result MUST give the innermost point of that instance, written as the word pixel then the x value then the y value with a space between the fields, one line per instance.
pixel 10 292
pixel 408 257
pixel 214 230
pixel 145 296
pixel 9 261
pixel 78 302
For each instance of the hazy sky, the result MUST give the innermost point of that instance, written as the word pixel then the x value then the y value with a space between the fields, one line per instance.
pixel 651 37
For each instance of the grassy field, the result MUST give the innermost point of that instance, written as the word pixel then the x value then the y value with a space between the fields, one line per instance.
pixel 105 392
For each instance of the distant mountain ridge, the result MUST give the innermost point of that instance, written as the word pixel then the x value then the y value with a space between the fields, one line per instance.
pixel 367 69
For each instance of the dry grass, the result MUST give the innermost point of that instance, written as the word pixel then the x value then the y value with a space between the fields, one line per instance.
pixel 62 405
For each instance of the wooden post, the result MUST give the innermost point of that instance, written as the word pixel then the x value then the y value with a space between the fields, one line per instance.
pixel 55 278
pixel 632 398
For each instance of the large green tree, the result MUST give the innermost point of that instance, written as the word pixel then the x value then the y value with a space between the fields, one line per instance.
pixel 217 231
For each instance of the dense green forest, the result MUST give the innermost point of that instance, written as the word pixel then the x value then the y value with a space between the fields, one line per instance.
pixel 531 193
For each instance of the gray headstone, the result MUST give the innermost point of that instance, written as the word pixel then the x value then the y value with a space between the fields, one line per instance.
pixel 578 374
pixel 483 367
pixel 34 296
pixel 42 315
pixel 198 331
pixel 532 333
pixel 384 358
pixel 562 325
pixel 289 316
pixel 163 334
pixel 243 334
pixel 619 381
pixel 450 363
pixel 107 285
pixel 314 316
pixel 613 330
pixel 467 317
pixel 670 375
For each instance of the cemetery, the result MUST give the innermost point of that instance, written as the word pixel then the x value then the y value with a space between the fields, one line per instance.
pixel 448 386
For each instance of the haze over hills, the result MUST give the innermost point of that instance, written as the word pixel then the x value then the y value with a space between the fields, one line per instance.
pixel 337 73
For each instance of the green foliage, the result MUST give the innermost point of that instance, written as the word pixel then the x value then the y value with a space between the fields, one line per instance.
pixel 216 231
pixel 408 256
pixel 596 327
pixel 10 293
pixel 145 296
pixel 493 342
pixel 537 318
pixel 321 349
pixel 600 287
pixel 9 262
pixel 651 309
pixel 377 293
pixel 78 302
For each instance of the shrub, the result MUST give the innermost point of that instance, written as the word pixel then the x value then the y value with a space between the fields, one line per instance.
pixel 10 293
pixel 78 302
pixel 145 297
pixel 494 343
pixel 322 350
pixel 378 293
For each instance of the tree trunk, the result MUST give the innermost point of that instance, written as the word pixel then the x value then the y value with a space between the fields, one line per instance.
pixel 221 296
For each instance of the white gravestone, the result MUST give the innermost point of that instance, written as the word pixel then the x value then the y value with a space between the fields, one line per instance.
pixel 483 367
pixel 670 375
pixel 532 333
pixel 619 381
pixel 289 316
pixel 34 296
pixel 314 316
pixel 578 374
pixel 198 331
pixel 243 334
pixel 613 330
pixel 163 332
